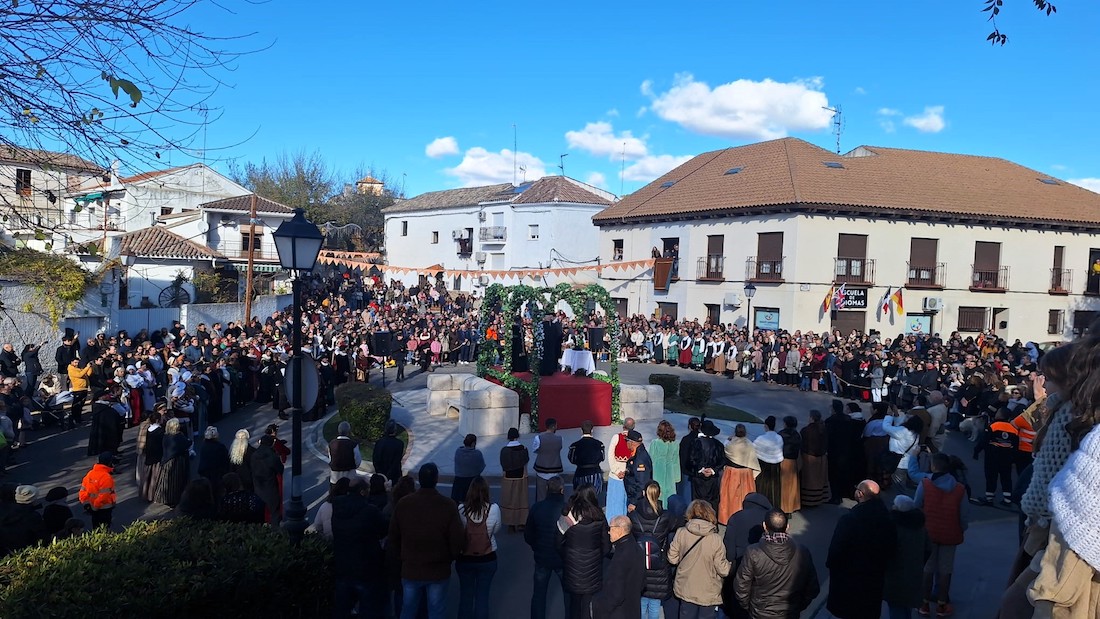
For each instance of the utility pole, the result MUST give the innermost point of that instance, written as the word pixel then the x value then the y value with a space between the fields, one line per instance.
pixel 251 248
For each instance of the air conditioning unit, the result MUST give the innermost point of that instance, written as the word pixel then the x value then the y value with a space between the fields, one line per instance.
pixel 481 216
pixel 458 234
pixel 483 280
pixel 933 304
pixel 481 257
pixel 732 299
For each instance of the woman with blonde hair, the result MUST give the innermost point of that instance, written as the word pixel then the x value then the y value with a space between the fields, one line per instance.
pixel 653 528
pixel 739 475
pixel 700 555
pixel 665 453
pixel 175 465
pixel 240 458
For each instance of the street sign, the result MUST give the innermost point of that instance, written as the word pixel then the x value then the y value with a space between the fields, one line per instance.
pixel 311 380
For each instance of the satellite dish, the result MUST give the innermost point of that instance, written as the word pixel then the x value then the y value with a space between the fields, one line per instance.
pixel 204 226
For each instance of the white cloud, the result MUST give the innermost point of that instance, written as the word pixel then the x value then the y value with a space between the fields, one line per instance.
pixel 860 90
pixel 599 139
pixel 597 179
pixel 651 166
pixel 1092 184
pixel 641 112
pixel 481 167
pixel 441 147
pixel 743 109
pixel 887 125
pixel 1057 167
pixel 612 113
pixel 931 121
pixel 888 111
pixel 647 88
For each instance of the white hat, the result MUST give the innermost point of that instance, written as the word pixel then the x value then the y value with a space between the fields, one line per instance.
pixel 25 495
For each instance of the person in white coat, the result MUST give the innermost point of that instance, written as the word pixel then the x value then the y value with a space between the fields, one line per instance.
pixel 904 436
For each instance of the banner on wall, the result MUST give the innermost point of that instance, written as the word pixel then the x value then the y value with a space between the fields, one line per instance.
pixel 915 324
pixel 343 258
pixel 766 319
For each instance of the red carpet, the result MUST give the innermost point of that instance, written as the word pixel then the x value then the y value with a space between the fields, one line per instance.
pixel 569 399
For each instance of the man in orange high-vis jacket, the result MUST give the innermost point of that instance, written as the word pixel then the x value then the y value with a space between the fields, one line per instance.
pixel 1000 442
pixel 97 491
pixel 1028 424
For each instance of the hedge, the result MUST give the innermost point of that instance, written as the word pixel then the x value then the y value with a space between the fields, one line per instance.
pixel 695 392
pixel 168 569
pixel 366 407
pixel 670 383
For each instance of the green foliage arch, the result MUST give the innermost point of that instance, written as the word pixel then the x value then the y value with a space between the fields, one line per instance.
pixel 507 301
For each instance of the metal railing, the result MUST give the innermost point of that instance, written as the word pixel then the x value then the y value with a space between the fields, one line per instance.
pixel 497 234
pixel 925 275
pixel 854 271
pixel 1061 280
pixel 994 280
pixel 764 270
pixel 710 267
pixel 239 250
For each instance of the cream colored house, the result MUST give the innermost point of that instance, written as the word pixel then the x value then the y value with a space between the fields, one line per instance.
pixel 974 243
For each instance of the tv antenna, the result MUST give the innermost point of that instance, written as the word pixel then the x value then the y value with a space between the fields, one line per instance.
pixel 515 148
pixel 523 169
pixel 622 171
pixel 837 124
pixel 561 162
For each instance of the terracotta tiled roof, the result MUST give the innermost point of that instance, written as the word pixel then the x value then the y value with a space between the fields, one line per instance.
pixel 47 159
pixel 889 181
pixel 243 204
pixel 562 189
pixel 144 176
pixel 544 190
pixel 156 242
pixel 452 198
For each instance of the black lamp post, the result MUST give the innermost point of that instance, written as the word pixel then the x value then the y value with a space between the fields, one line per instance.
pixel 298 241
pixel 750 292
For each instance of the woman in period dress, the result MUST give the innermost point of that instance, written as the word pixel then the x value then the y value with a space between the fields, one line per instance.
pixel 151 452
pixel 665 453
pixel 698 351
pixel 513 486
pixel 769 451
pixel 814 476
pixel 175 465
pixel 790 493
pixel 739 475
pixel 672 349
pixel 718 363
pixel 686 342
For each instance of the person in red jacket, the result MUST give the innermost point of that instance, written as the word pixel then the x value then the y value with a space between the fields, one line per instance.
pixel 97 491
pixel 946 512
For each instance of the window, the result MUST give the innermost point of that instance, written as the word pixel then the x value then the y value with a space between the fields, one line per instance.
pixel 713 263
pixel 852 265
pixel 667 309
pixel 667 184
pixel 23 182
pixel 256 246
pixel 834 164
pixel 924 271
pixel 404 228
pixel 734 170
pixel 165 210
pixel 714 313
pixel 533 232
pixel 1054 321
pixel 1081 321
pixel 1093 281
pixel 671 249
pixel 1059 276
pixel 988 273
pixel 769 257
pixel 972 319
pixel 435 237
pixel 617 249
pixel 457 282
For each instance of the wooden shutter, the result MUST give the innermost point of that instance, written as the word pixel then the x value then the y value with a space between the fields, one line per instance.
pixel 769 246
pixel 716 245
pixel 987 256
pixel 852 246
pixel 922 252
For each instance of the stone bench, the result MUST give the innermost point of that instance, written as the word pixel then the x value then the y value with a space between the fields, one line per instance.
pixel 641 401
pixel 482 408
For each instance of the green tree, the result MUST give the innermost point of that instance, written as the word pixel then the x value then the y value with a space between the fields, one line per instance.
pixel 993 7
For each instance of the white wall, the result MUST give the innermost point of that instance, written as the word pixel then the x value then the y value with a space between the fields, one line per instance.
pixel 24 319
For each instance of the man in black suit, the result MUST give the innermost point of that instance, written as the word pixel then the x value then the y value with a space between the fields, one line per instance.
pixel 551 344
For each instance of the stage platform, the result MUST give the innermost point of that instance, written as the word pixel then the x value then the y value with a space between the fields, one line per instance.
pixel 568 399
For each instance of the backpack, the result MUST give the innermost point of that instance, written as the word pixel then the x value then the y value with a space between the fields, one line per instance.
pixel 652 549
pixel 478 543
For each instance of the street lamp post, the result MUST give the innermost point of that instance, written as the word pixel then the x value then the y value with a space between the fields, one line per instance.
pixel 298 241
pixel 750 292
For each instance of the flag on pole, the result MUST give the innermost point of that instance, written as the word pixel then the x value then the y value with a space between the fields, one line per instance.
pixel 899 304
pixel 841 297
pixel 884 304
pixel 828 299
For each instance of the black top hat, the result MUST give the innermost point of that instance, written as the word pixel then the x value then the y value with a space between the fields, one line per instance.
pixel 709 429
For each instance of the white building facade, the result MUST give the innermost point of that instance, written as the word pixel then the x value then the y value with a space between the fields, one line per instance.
pixel 542 224
pixel 975 244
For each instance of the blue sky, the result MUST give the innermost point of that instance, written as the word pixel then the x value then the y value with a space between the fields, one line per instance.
pixel 429 91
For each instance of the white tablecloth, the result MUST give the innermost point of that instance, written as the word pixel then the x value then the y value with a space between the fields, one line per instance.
pixel 578 360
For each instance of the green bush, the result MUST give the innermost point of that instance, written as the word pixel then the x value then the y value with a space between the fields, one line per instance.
pixel 168 569
pixel 669 382
pixel 366 407
pixel 695 392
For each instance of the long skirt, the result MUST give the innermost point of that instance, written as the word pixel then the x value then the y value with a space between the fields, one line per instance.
pixel 769 484
pixel 720 364
pixel 616 498
pixel 685 356
pixel 790 495
pixel 737 483
pixel 514 501
pixel 174 476
pixel 815 480
pixel 148 475
pixel 459 487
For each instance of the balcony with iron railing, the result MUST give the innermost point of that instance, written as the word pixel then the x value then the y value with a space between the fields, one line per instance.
pixel 710 269
pixel 492 234
pixel 237 250
pixel 925 276
pixel 859 271
pixel 758 270
pixel 1061 281
pixel 989 280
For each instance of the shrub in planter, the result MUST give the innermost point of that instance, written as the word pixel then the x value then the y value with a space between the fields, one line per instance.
pixel 366 407
pixel 669 382
pixel 169 569
pixel 695 392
